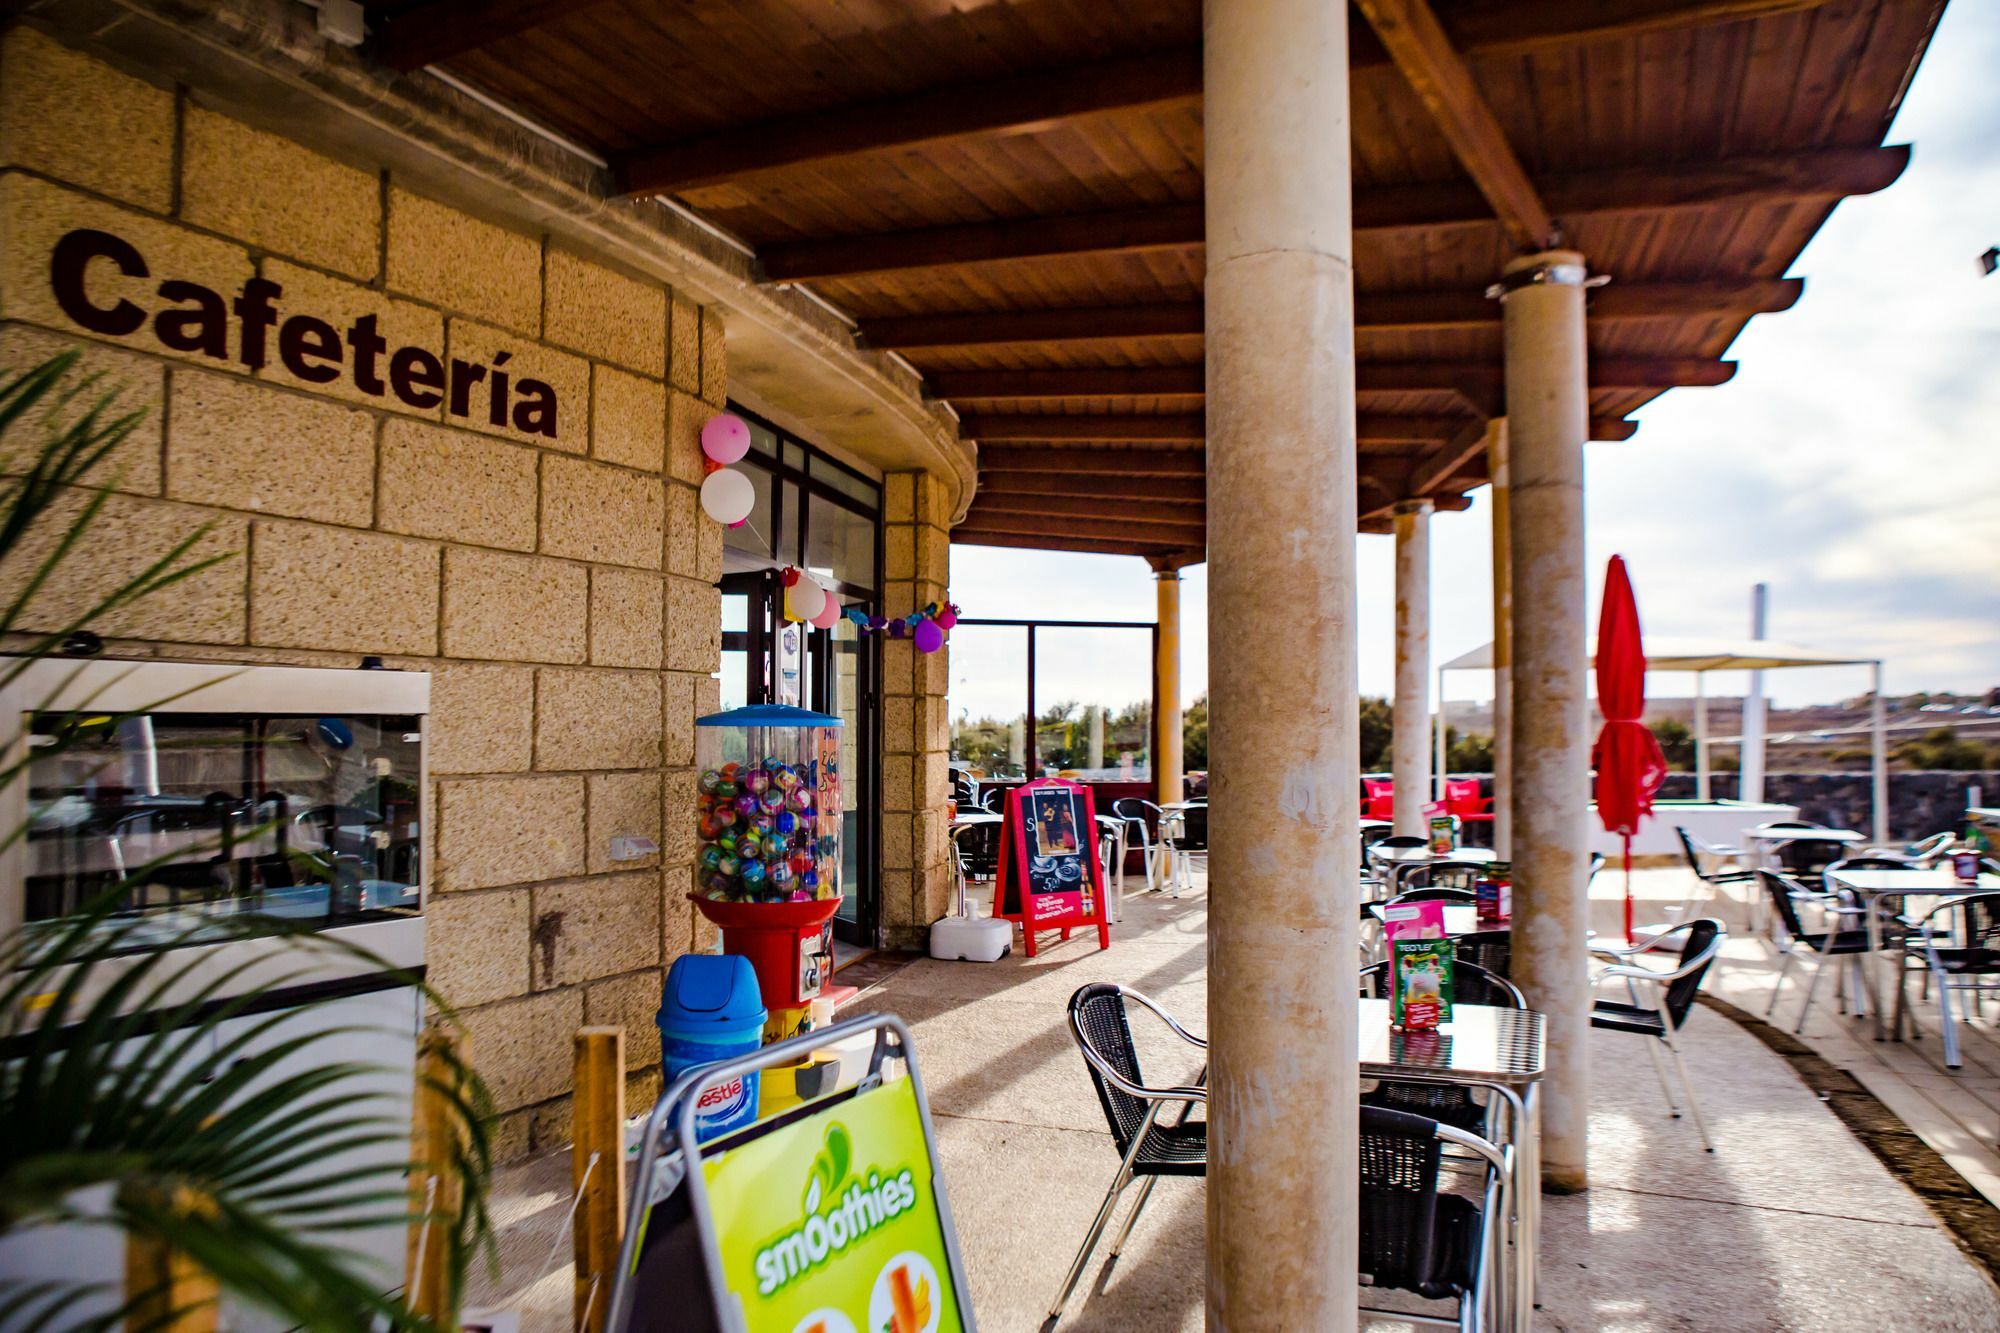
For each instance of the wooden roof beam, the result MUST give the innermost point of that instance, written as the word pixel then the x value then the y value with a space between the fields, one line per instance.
pixel 1183 463
pixel 1370 377
pixel 1829 174
pixel 434 33
pixel 1115 503
pixel 999 327
pixel 1179 536
pixel 1438 75
pixel 1018 488
pixel 1026 103
pixel 967 535
pixel 1181 426
pixel 1019 105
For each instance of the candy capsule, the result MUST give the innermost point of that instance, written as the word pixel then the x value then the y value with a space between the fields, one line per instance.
pixel 764 824
pixel 726 840
pixel 756 780
pixel 710 826
pixel 726 789
pixel 774 801
pixel 753 873
pixel 729 865
pixel 776 846
pixel 746 804
pixel 809 879
pixel 718 885
pixel 786 778
pixel 731 769
pixel 779 873
pixel 711 782
pixel 711 857
pixel 801 896
pixel 802 862
pixel 772 761
pixel 800 799
pixel 750 847
pixel 787 822
pixel 725 814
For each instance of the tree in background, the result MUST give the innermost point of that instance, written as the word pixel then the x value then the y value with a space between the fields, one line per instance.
pixel 1468 754
pixel 1944 749
pixel 1676 743
pixel 1378 731
pixel 1194 733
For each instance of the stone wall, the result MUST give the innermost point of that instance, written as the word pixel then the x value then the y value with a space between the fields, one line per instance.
pixel 916 729
pixel 1920 803
pixel 541 554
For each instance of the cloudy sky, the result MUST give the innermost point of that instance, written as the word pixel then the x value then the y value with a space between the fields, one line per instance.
pixel 1853 463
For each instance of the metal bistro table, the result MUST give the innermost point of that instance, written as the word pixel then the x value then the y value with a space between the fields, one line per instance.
pixel 1399 861
pixel 1501 1051
pixel 1872 886
pixel 1770 837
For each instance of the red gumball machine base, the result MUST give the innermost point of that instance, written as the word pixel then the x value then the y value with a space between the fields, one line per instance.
pixel 790 944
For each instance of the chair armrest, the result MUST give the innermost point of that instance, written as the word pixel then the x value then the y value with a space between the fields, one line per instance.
pixel 1167 1018
pixel 1127 1086
pixel 1614 951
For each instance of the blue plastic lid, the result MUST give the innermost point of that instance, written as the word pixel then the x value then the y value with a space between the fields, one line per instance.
pixel 711 990
pixel 768 715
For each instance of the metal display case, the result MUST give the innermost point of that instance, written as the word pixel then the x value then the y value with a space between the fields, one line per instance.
pixel 184 798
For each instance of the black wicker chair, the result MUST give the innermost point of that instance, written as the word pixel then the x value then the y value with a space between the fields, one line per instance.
pixel 1444 875
pixel 1490 949
pixel 1415 1237
pixel 1848 937
pixel 1148 1146
pixel 1672 996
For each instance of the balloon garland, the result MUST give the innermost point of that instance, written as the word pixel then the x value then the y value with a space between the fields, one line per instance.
pixel 728 497
pixel 808 600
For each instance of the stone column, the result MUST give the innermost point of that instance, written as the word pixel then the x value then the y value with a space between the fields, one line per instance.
pixel 1410 759
pixel 1547 423
pixel 1284 775
pixel 916 732
pixel 1503 644
pixel 1168 759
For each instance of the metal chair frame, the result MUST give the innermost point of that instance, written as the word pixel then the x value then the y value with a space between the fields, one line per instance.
pixel 1923 940
pixel 1157 1099
pixel 1173 828
pixel 1149 850
pixel 1633 975
pixel 1838 908
pixel 1476 1306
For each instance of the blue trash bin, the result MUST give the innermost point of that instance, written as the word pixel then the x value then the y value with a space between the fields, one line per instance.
pixel 712 1010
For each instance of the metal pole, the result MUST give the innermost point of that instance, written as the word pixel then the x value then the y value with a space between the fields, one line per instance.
pixel 1443 760
pixel 1878 759
pixel 1701 736
pixel 1751 786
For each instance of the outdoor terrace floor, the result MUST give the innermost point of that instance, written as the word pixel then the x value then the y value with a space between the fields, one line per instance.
pixel 1791 1224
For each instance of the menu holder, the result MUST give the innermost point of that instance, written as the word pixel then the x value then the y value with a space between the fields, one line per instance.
pixel 1049 877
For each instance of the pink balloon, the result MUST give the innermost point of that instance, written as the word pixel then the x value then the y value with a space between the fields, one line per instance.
pixel 725 438
pixel 829 615
pixel 929 638
pixel 947 618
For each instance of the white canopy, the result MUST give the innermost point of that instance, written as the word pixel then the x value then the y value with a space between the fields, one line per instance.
pixel 1666 653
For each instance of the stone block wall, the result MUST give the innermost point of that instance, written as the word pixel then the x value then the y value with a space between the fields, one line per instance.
pixel 916 730
pixel 540 552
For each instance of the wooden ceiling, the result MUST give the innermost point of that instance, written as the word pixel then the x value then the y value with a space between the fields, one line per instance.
pixel 1008 194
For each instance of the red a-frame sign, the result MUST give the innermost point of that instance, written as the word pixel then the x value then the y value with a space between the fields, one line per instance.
pixel 1049 876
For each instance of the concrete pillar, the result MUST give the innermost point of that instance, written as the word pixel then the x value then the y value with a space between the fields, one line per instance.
pixel 1284 781
pixel 1503 643
pixel 1878 755
pixel 1547 424
pixel 1168 760
pixel 1410 752
pixel 1701 783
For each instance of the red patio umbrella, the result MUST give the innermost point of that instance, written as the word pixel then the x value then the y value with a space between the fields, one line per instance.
pixel 1627 756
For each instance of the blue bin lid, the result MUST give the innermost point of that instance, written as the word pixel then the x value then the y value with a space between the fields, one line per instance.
pixel 768 715
pixel 711 990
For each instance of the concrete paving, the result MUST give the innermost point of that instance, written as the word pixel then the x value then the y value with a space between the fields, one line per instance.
pixel 1791 1224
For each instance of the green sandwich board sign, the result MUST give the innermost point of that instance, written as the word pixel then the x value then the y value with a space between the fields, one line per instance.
pixel 828 1219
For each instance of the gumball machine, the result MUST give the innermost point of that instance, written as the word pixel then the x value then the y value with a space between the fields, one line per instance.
pixel 768 865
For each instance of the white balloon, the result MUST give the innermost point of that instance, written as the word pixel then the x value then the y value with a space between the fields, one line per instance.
pixel 727 496
pixel 808 598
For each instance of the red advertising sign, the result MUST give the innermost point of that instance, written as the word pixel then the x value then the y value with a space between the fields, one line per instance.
pixel 1049 876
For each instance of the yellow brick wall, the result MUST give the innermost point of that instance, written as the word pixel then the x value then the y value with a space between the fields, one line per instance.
pixel 560 588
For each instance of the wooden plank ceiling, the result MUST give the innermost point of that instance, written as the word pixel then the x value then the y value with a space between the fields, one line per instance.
pixel 1008 194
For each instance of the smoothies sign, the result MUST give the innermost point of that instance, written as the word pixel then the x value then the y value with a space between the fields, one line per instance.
pixel 831 1224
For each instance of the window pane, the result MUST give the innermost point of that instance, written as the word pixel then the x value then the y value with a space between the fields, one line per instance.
pixel 735 612
pixel 826 471
pixel 735 679
pixel 988 699
pixel 1094 702
pixel 763 440
pixel 841 544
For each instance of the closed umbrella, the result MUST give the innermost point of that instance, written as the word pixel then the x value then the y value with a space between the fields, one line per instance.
pixel 1627 756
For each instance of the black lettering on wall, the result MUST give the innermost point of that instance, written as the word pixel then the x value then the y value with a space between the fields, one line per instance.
pixel 202 328
pixel 417 377
pixel 310 349
pixel 367 345
pixel 257 308
pixel 464 374
pixel 72 257
pixel 496 405
pixel 535 409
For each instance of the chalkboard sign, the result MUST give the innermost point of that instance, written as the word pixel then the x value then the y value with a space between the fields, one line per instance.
pixel 1049 877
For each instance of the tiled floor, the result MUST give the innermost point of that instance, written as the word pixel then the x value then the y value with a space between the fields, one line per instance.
pixel 1791 1224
